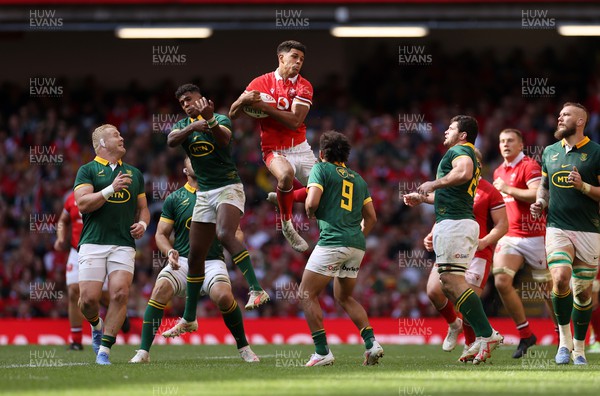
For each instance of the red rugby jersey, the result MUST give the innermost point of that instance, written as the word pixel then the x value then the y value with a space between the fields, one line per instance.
pixel 519 174
pixel 76 220
pixel 273 134
pixel 486 199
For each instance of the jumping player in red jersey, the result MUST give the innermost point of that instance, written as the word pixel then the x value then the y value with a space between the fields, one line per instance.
pixel 490 213
pixel 285 150
pixel 518 179
pixel 71 217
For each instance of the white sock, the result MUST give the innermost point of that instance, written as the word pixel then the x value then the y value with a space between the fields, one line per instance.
pixel 565 336
pixel 578 346
pixel 104 349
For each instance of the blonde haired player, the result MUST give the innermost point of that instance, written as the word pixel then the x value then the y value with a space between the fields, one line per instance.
pixel 70 225
pixel 110 195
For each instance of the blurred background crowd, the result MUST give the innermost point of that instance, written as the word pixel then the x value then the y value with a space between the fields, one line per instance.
pixel 395 118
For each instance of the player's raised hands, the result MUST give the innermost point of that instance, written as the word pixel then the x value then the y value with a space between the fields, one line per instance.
pixel 122 181
pixel 206 108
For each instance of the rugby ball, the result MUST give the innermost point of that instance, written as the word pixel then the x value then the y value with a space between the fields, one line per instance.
pixel 255 113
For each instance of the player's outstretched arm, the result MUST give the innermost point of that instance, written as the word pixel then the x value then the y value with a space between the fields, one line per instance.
pixel 369 217
pixel 500 220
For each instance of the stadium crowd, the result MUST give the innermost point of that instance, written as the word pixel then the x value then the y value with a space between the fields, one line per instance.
pixel 395 126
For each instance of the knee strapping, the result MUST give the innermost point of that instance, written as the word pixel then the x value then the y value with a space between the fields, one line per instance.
pixel 216 279
pixel 579 287
pixel 559 259
pixel 541 275
pixel 221 278
pixel 455 269
pixel 504 270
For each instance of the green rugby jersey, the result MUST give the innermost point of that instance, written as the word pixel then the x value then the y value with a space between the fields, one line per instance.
pixel 340 210
pixel 110 224
pixel 177 210
pixel 213 166
pixel 456 202
pixel 570 209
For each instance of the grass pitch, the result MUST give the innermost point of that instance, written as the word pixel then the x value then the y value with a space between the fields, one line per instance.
pixel 218 370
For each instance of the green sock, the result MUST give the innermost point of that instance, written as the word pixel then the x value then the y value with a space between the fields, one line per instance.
pixel 243 262
pixel 367 334
pixel 563 306
pixel 232 317
pixel 470 306
pixel 320 340
pixel 152 318
pixel 108 341
pixel 194 284
pixel 582 314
